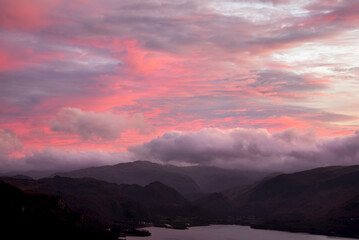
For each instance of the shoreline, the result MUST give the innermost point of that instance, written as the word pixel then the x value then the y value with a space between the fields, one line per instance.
pixel 258 227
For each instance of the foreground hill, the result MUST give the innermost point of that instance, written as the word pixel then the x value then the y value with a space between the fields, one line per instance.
pixel 110 204
pixel 186 180
pixel 32 215
pixel 322 200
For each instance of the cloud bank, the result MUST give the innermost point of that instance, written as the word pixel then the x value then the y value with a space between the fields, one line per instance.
pixel 287 150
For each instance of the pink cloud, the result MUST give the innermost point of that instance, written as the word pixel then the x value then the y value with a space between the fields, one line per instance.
pixel 172 65
pixel 26 15
pixel 96 126
pixel 9 143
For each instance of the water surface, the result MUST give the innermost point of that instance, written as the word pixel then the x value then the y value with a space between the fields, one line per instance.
pixel 227 232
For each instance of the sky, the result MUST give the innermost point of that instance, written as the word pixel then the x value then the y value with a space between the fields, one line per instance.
pixel 262 84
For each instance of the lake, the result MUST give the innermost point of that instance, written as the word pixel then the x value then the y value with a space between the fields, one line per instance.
pixel 227 232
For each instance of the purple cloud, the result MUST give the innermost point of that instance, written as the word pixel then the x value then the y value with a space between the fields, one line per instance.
pixel 287 150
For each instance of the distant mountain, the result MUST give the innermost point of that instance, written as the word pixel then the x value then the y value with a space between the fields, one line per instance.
pixel 215 179
pixel 322 200
pixel 32 215
pixel 24 177
pixel 110 204
pixel 186 180
pixel 32 174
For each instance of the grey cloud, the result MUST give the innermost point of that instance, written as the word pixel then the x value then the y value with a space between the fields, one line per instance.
pixel 274 2
pixel 288 150
pixel 58 159
pixel 177 25
pixel 158 26
pixel 96 126
pixel 321 20
pixel 339 151
pixel 283 82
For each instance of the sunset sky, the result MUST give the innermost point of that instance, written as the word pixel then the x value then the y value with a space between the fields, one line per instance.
pixel 261 84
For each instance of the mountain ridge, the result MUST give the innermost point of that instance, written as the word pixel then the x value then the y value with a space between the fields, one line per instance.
pixel 320 201
pixel 186 180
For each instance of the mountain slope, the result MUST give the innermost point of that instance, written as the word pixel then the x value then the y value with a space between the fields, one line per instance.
pixel 322 200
